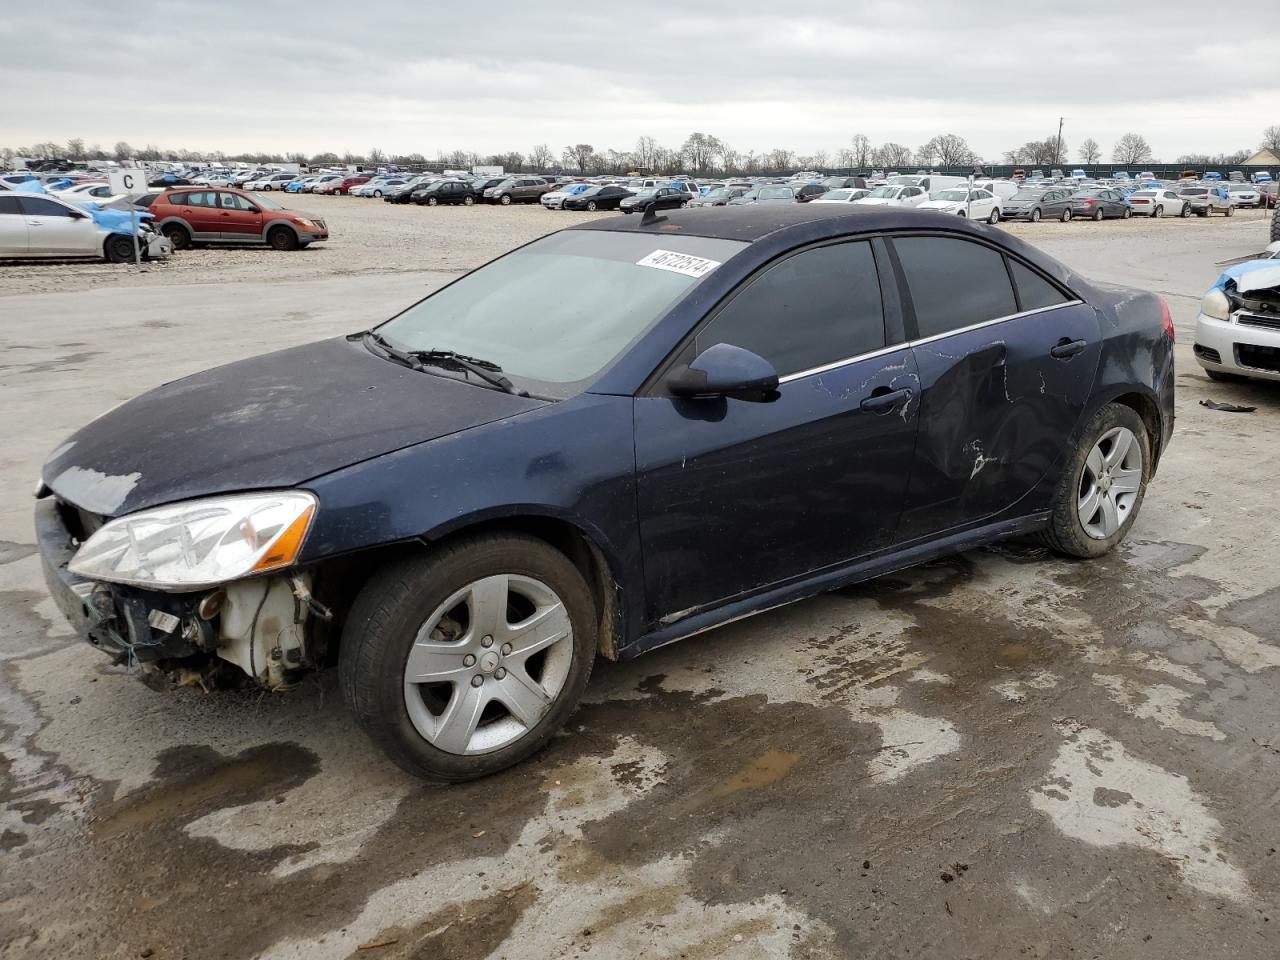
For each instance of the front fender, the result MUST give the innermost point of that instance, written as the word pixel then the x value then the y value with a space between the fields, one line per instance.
pixel 572 461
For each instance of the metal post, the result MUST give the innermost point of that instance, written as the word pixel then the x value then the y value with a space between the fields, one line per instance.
pixel 137 251
pixel 1057 151
pixel 968 200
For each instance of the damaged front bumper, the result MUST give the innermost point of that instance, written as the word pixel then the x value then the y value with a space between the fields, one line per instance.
pixel 262 625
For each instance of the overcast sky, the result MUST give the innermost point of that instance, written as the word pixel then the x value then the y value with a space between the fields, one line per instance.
pixel 494 76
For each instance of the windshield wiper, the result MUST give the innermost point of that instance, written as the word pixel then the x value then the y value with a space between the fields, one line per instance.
pixel 486 370
pixel 385 346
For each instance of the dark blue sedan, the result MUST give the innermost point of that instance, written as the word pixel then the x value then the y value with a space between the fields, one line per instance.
pixel 617 436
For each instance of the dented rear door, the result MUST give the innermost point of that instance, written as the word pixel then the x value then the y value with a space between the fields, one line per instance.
pixel 1006 372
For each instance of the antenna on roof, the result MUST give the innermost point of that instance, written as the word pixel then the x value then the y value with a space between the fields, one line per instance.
pixel 650 217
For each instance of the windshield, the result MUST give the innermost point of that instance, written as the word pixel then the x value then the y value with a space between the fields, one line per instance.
pixel 719 194
pixel 884 193
pixel 555 313
pixel 266 203
pixel 777 193
pixel 647 192
pixel 953 195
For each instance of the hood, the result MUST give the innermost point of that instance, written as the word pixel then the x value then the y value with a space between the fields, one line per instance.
pixel 941 205
pixel 275 420
pixel 1254 275
pixel 877 201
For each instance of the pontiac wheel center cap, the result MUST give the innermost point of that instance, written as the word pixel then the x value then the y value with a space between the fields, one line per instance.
pixel 489 661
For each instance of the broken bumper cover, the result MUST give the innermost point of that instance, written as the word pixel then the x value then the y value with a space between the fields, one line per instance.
pixel 1248 345
pixel 127 623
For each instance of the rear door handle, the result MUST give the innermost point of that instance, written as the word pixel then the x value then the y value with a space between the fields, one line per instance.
pixel 1066 349
pixel 883 402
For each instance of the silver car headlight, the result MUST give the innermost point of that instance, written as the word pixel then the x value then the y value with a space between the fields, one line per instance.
pixel 199 543
pixel 1215 305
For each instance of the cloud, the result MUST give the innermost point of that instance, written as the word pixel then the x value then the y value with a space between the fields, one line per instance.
pixel 236 76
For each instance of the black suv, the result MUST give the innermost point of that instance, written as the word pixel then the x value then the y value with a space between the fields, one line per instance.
pixel 444 191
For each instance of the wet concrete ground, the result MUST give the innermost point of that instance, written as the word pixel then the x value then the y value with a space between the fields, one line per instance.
pixel 1003 754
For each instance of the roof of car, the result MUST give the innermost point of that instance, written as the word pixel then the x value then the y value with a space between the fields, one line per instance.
pixel 752 222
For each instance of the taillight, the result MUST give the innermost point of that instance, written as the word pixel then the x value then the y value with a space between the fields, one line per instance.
pixel 1167 319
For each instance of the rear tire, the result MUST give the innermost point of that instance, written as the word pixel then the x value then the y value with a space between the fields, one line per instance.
pixel 178 235
pixel 282 238
pixel 1186 211
pixel 1275 224
pixel 1098 214
pixel 994 217
pixel 1128 212
pixel 1158 212
pixel 398 602
pixel 1066 532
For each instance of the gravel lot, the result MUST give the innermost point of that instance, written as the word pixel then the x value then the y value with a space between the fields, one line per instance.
pixel 370 236
pixel 999 755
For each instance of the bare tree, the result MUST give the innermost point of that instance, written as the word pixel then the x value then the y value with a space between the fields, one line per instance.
pixel 580 156
pixel 1090 152
pixel 541 158
pixel 860 148
pixel 377 156
pixel 700 150
pixel 646 149
pixel 123 151
pixel 951 150
pixel 1271 139
pixel 893 155
pixel 1131 148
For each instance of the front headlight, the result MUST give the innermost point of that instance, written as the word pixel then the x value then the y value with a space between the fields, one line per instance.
pixel 304 222
pixel 199 543
pixel 1216 305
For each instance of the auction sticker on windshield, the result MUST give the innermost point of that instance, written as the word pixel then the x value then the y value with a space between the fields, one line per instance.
pixel 695 267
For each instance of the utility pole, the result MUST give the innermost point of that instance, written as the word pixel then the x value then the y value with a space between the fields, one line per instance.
pixel 1057 151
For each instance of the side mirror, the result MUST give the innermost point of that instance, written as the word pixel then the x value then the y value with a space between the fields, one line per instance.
pixel 253 210
pixel 724 370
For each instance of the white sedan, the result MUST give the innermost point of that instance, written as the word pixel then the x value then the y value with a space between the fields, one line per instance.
pixel 86 193
pixel 843 195
pixel 975 204
pixel 894 196
pixel 38 225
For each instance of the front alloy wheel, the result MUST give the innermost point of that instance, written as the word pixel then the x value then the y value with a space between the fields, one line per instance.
pixel 465 660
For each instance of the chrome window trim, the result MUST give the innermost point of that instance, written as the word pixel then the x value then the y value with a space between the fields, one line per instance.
pixel 837 364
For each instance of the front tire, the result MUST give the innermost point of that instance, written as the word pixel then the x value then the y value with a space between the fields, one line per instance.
pixel 1230 211
pixel 592 206
pixel 506 609
pixel 468 200
pixel 505 200
pixel 118 248
pixel 282 238
pixel 1102 485
pixel 1035 215
pixel 432 202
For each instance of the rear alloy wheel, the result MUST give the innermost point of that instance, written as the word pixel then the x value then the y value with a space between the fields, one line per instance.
pixel 1035 215
pixel 282 238
pixel 118 248
pixel 1158 212
pixel 1097 213
pixel 465 661
pixel 1102 485
pixel 505 200
pixel 377 193
pixel 1067 215
pixel 178 235
pixel 994 217
pixel 468 200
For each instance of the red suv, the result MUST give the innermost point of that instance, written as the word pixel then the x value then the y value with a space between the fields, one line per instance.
pixel 226 215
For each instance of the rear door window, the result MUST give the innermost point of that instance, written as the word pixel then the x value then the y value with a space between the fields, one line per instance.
pixel 954 283
pixel 1034 291
pixel 817 307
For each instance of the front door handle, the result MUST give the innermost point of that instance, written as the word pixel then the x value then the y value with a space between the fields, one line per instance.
pixel 1066 349
pixel 883 400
